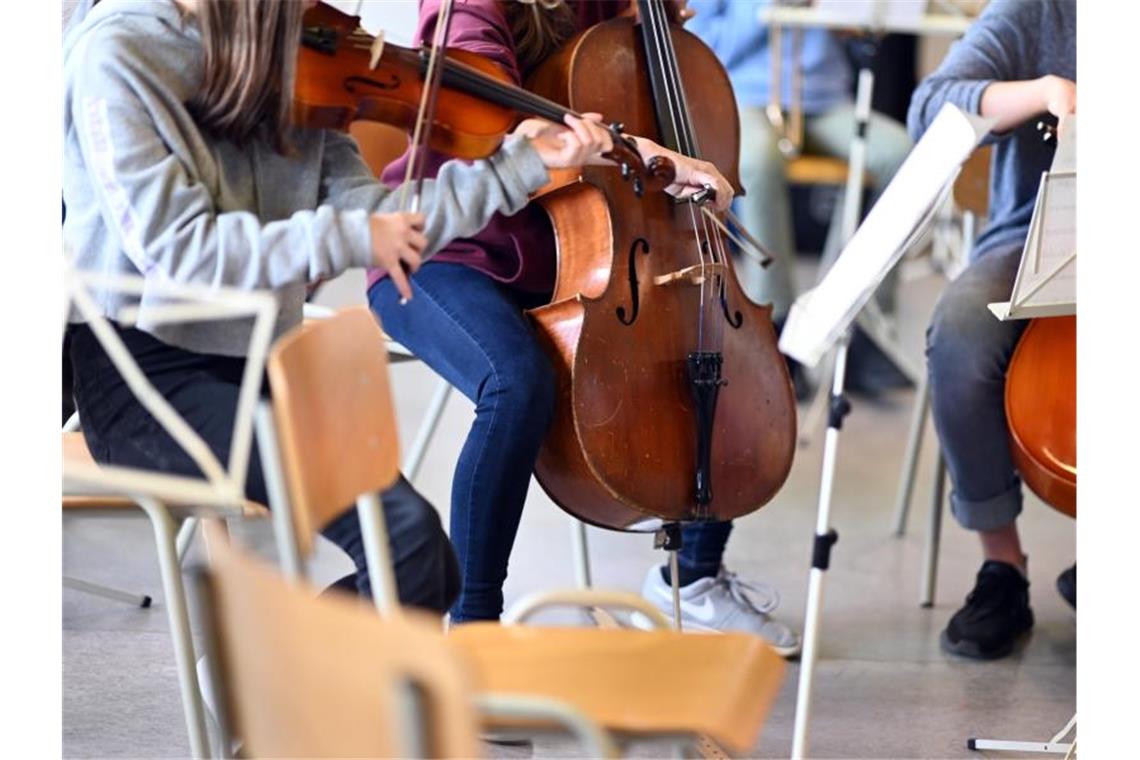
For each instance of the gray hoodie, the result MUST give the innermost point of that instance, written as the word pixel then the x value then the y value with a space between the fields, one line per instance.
pixel 148 193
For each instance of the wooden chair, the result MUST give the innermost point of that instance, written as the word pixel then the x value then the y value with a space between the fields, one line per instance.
pixel 295 675
pixel 637 683
pixel 163 515
pixel 300 676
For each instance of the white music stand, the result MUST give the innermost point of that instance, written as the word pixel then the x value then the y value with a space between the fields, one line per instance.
pixel 871 17
pixel 821 319
pixel 1046 284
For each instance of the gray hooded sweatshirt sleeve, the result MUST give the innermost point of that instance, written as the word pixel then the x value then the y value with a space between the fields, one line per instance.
pixel 149 193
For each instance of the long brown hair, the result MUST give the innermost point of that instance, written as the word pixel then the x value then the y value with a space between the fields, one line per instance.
pixel 538 27
pixel 250 49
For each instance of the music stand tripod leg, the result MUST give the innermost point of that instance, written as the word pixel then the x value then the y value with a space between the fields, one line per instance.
pixel 825 538
pixel 838 408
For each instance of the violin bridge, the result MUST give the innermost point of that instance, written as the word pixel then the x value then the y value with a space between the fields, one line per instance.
pixel 698 274
pixel 377 50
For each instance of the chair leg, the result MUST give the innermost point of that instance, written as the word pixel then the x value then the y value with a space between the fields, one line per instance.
pixel 913 449
pixel 933 535
pixel 185 539
pixel 107 592
pixel 179 617
pixel 378 554
pixel 415 457
pixel 581 549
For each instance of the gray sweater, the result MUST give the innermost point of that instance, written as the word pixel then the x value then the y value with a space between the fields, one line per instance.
pixel 1012 40
pixel 148 193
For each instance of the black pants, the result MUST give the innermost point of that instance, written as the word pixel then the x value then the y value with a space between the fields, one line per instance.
pixel 203 389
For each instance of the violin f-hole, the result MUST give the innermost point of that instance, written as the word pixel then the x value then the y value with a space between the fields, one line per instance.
pixel 352 83
pixel 634 294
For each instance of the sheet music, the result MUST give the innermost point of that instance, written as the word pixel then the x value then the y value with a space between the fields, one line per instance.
pixel 818 317
pixel 1046 284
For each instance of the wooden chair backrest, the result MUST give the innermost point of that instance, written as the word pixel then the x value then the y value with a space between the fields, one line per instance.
pixel 309 676
pixel 380 144
pixel 972 188
pixel 336 426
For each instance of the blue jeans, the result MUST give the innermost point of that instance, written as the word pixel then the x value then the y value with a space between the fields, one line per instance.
pixel 472 331
pixel 702 548
pixel 967 353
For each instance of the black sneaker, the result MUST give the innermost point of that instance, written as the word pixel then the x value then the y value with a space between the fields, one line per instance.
pixel 995 615
pixel 1067 585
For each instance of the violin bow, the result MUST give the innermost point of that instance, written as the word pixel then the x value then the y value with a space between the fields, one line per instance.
pixel 417 154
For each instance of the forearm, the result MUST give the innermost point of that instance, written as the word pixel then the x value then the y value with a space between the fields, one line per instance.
pixel 1012 103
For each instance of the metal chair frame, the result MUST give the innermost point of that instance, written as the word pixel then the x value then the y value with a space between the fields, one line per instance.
pixel 219 493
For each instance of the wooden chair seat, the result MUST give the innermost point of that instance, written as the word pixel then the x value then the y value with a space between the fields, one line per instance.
pixel 75 450
pixel 633 682
pixel 818 170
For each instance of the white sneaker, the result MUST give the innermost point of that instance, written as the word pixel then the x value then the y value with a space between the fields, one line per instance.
pixel 725 603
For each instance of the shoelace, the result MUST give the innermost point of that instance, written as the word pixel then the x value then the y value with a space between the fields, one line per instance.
pixel 746 592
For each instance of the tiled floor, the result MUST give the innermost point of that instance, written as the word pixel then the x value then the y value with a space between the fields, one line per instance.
pixel 883 687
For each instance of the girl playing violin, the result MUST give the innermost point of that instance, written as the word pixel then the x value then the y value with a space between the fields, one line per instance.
pixel 466 321
pixel 181 164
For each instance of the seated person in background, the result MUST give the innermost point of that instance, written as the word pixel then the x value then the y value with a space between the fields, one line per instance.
pixel 732 28
pixel 1017 62
pixel 180 164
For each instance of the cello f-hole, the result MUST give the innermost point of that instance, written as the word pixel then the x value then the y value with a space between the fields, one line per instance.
pixel 735 319
pixel 634 294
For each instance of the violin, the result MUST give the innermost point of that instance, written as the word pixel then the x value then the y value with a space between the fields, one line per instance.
pixel 345 74
pixel 673 400
pixel 1041 403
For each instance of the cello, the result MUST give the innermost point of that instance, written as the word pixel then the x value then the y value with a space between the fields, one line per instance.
pixel 1041 410
pixel 674 402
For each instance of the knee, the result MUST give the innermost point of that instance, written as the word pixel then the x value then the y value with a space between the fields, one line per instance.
pixel 888 148
pixel 522 386
pixel 958 344
pixel 412 521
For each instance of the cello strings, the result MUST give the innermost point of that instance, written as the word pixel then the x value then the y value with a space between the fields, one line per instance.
pixel 658 29
pixel 722 291
pixel 717 254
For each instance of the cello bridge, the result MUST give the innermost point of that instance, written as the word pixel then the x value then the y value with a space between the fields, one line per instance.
pixel 698 274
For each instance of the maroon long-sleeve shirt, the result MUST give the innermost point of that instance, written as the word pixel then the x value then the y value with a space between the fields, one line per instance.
pixel 518 250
